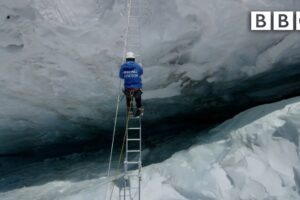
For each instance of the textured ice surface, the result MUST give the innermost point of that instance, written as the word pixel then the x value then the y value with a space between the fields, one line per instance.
pixel 254 155
pixel 60 58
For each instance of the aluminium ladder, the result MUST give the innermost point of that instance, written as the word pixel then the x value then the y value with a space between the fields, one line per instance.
pixel 131 187
pixel 133 32
pixel 130 184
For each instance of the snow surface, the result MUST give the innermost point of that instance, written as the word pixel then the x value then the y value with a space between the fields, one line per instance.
pixel 60 59
pixel 254 155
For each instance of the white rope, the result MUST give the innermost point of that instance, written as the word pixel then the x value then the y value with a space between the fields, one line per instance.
pixel 114 133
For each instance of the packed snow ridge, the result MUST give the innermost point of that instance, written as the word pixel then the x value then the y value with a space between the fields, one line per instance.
pixel 254 155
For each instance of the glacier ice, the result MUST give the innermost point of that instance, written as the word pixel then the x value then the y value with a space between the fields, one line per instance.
pixel 254 155
pixel 59 63
pixel 58 79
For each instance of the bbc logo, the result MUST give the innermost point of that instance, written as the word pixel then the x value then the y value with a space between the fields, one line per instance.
pixel 277 21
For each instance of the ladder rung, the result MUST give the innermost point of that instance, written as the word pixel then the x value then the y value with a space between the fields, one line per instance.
pixel 134 139
pixel 134 128
pixel 133 151
pixel 132 162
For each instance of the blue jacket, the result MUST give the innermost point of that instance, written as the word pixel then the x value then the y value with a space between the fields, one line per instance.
pixel 131 73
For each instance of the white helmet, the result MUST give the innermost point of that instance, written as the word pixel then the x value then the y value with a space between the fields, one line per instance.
pixel 130 55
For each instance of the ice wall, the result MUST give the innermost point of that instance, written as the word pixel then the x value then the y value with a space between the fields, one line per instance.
pixel 60 58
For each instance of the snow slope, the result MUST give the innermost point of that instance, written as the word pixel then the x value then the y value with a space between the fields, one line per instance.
pixel 254 155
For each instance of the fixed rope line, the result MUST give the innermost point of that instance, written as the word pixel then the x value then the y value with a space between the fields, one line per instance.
pixel 119 88
pixel 114 133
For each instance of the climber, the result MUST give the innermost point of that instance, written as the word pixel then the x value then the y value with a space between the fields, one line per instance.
pixel 131 72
